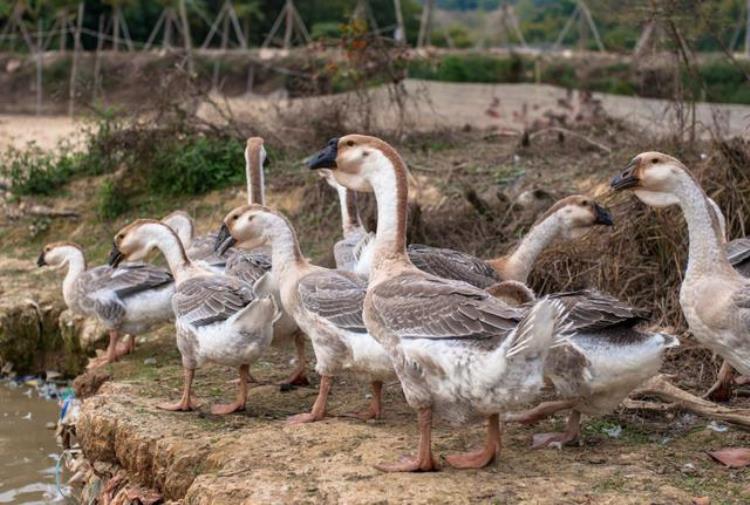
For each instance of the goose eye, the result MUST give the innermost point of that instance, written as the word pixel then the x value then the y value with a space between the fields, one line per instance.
pixel 350 143
pixel 654 161
pixel 250 218
pixel 235 217
pixel 120 236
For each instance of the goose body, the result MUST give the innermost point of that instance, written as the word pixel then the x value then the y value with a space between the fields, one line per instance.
pixel 609 358
pixel 327 303
pixel 130 299
pixel 459 353
pixel 219 318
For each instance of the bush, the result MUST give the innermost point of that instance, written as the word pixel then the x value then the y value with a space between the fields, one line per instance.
pixel 32 171
pixel 111 201
pixel 194 165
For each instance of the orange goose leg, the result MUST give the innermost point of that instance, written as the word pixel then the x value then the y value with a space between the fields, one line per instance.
pixel 483 456
pixel 558 440
pixel 318 411
pixel 375 410
pixel 298 377
pixel 423 461
pixel 721 391
pixel 239 403
pixel 186 402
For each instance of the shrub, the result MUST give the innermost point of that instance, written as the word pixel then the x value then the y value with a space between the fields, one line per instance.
pixel 194 165
pixel 32 171
pixel 111 201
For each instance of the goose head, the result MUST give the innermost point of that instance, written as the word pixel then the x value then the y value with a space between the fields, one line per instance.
pixel 577 214
pixel 653 177
pixel 58 254
pixel 248 225
pixel 353 160
pixel 136 240
pixel 182 224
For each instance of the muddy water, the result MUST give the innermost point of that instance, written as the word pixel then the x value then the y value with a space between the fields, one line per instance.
pixel 28 449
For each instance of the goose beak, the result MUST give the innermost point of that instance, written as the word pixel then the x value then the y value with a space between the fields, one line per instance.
pixel 627 179
pixel 40 260
pixel 326 157
pixel 115 256
pixel 603 216
pixel 224 240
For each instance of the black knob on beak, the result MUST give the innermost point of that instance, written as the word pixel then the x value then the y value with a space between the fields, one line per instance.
pixel 326 157
pixel 40 260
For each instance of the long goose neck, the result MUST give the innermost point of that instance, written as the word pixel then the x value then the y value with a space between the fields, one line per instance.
pixel 286 255
pixel 391 192
pixel 706 249
pixel 166 240
pixel 519 263
pixel 256 184
pixel 348 204
pixel 76 263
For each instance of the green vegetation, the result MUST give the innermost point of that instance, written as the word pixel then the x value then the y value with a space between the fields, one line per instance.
pixel 724 81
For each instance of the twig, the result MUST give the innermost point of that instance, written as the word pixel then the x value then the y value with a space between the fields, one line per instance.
pixel 676 398
pixel 565 131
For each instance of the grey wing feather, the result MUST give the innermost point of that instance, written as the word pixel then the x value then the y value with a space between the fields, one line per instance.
pixel 738 254
pixel 412 306
pixel 131 279
pixel 452 264
pixel 248 266
pixel 202 301
pixel 337 296
pixel 590 310
pixel 202 248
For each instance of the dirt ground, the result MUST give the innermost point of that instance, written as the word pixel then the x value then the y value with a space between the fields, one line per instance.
pixel 255 457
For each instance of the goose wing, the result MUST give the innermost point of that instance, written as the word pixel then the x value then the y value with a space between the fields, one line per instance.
pixel 202 301
pixel 452 264
pixel 413 306
pixel 591 310
pixel 133 278
pixel 738 254
pixel 336 296
pixel 248 266
pixel 202 248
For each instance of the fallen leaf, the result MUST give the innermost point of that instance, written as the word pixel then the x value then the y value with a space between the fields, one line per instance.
pixel 733 457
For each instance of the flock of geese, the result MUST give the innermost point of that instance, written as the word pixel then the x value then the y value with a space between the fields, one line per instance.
pixel 466 338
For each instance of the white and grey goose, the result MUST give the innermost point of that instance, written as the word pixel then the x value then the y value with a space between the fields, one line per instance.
pixel 130 299
pixel 609 359
pixel 218 318
pixel 714 297
pixel 326 303
pixel 345 250
pixel 459 352
pixel 251 263
pixel 183 225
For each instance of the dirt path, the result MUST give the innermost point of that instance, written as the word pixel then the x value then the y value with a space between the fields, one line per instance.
pixel 439 104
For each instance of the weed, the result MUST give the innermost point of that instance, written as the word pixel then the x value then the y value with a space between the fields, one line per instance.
pixel 111 201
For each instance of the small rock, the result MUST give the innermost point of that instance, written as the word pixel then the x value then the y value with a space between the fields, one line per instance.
pixel 596 460
pixel 701 500
pixel 613 432
pixel 717 427
pixel 689 469
pixel 50 426
pixel 149 361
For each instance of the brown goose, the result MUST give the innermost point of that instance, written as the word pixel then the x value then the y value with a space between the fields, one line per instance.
pixel 219 318
pixel 714 297
pixel 568 219
pixel 327 303
pixel 459 353
pixel 130 299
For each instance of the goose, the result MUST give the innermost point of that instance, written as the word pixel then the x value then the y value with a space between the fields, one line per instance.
pixel 569 219
pixel 250 264
pixel 198 248
pixel 344 251
pixel 459 353
pixel 327 303
pixel 609 358
pixel 715 298
pixel 130 299
pixel 218 318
